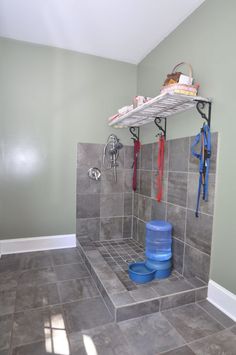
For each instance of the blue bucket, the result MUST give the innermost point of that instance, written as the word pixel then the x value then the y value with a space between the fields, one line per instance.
pixel 158 265
pixel 162 274
pixel 139 273
pixel 162 268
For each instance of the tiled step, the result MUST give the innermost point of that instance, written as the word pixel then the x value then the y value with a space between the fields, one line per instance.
pixel 126 303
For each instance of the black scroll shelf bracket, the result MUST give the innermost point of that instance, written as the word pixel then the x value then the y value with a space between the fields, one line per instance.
pixel 162 128
pixel 133 131
pixel 204 108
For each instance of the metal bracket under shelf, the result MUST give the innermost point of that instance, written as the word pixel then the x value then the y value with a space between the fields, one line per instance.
pixel 132 131
pixel 203 107
pixel 157 122
pixel 200 106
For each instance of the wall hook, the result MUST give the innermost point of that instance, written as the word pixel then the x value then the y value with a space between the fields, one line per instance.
pixel 132 131
pixel 200 107
pixel 157 122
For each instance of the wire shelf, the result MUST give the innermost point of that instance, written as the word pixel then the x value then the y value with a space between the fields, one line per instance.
pixel 163 105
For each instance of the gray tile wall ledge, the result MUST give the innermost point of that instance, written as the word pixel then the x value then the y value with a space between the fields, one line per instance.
pixel 125 304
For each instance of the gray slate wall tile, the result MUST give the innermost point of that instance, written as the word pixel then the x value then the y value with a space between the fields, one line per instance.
pixel 128 204
pixel 177 300
pixel 135 228
pixel 8 281
pixel 127 227
pixel 86 185
pixel 7 302
pixel 146 156
pixel 5 331
pixel 111 205
pixel 179 154
pixel 88 227
pixel 178 254
pixel 137 310
pixel 128 180
pixel 144 208
pixel 205 206
pixel 176 215
pixel 199 231
pixel 137 181
pixel 122 299
pixel 88 206
pixel 172 286
pixel 108 185
pixel 141 232
pixel 111 228
pixel 145 182
pixel 129 156
pixel 136 199
pixel 196 263
pixel 121 158
pixel 158 210
pixel 177 188
pixel 201 294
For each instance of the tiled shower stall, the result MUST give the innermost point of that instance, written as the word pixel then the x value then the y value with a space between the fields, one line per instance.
pixel 111 225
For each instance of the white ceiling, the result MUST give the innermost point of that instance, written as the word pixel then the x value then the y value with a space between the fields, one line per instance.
pixel 125 30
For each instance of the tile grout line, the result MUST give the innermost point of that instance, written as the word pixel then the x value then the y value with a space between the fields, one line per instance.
pixel 167 178
pixel 197 303
pixel 186 212
pixel 173 204
pixel 203 338
pixel 172 326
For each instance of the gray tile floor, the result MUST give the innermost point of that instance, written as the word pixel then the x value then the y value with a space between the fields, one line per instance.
pixel 49 304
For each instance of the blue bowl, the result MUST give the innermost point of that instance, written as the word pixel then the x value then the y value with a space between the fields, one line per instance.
pixel 139 273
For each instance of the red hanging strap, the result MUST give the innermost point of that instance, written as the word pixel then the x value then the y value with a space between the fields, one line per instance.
pixel 160 167
pixel 137 146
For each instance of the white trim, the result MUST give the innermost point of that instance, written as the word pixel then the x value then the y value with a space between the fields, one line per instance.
pixel 21 245
pixel 223 299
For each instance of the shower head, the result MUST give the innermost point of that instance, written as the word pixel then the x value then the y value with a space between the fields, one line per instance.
pixel 111 153
pixel 113 144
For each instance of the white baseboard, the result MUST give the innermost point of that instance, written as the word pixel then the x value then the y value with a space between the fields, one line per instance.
pixel 223 299
pixel 21 245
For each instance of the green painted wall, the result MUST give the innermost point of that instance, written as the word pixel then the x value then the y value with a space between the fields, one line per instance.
pixel 50 99
pixel 205 39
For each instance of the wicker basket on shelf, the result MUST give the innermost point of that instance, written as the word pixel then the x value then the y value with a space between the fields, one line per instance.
pixel 179 83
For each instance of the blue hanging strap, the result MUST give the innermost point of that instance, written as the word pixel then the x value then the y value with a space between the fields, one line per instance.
pixel 204 138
